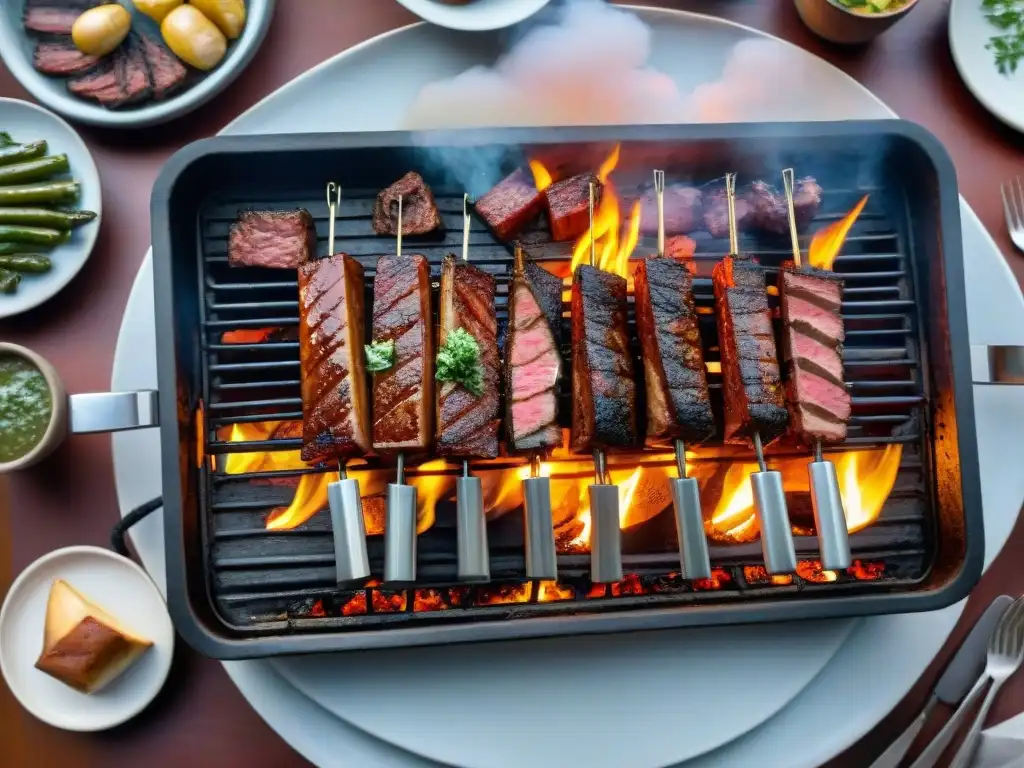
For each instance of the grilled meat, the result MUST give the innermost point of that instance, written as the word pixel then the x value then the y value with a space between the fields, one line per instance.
pixel 403 395
pixel 279 239
pixel 335 398
pixel 603 386
pixel 812 343
pixel 569 205
pixel 684 210
pixel 99 84
pixel 716 213
pixel 678 404
pixel 750 369
pixel 132 72
pixel 770 209
pixel 166 72
pixel 419 211
pixel 511 204
pixel 54 17
pixel 533 365
pixel 61 58
pixel 680 247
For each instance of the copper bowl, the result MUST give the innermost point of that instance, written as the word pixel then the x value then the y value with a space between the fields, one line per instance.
pixel 834 22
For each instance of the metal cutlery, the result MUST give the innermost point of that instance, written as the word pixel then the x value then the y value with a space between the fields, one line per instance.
pixel 1010 625
pixel 1013 208
pixel 955 681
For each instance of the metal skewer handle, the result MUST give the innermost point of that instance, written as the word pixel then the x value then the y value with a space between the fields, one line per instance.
pixel 400 530
pixel 829 515
pixel 471 528
pixel 772 516
pixel 346 505
pixel 539 527
pixel 694 559
pixel 605 537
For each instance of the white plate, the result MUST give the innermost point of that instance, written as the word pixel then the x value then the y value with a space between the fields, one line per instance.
pixel 693 50
pixel 27 122
pixel 969 32
pixel 475 15
pixel 118 586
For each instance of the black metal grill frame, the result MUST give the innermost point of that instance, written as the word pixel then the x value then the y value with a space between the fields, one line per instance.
pixel 884 304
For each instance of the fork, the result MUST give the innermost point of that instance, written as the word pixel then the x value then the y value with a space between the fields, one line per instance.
pixel 1005 655
pixel 1013 209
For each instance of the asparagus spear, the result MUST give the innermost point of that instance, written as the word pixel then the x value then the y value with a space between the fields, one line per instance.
pixel 45 217
pixel 12 152
pixel 34 170
pixel 32 235
pixel 34 263
pixel 46 192
pixel 7 249
pixel 9 281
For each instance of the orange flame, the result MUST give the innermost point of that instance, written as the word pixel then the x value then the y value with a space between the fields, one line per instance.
pixel 811 570
pixel 541 177
pixel 626 491
pixel 827 242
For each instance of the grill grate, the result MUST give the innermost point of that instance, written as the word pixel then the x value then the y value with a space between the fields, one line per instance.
pixel 261 578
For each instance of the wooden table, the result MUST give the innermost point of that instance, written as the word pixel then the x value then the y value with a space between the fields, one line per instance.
pixel 200 719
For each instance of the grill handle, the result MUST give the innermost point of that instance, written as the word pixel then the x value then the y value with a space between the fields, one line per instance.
pixel 112 411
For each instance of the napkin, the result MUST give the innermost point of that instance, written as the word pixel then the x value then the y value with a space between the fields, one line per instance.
pixel 1002 746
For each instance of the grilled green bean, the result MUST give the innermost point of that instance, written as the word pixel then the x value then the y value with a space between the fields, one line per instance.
pixel 32 235
pixel 6 249
pixel 9 281
pixel 47 192
pixel 34 170
pixel 18 153
pixel 35 263
pixel 45 217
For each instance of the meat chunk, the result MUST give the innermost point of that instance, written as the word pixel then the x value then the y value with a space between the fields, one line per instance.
pixel 403 395
pixel 166 72
pixel 812 344
pixel 511 204
pixel 335 397
pixel 279 239
pixel 752 387
pixel 684 210
pixel 132 72
pixel 467 423
pixel 678 403
pixel 54 17
pixel 569 205
pixel 61 58
pixel 603 386
pixel 680 247
pixel 99 84
pixel 419 211
pixel 771 212
pixel 716 213
pixel 533 364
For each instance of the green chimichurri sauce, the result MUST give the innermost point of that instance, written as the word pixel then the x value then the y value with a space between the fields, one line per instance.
pixel 25 407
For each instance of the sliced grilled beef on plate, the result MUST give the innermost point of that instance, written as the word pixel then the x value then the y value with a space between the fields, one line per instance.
pixel 771 212
pixel 100 84
pixel 419 211
pixel 166 72
pixel 53 17
pixel 61 58
pixel 132 72
pixel 280 239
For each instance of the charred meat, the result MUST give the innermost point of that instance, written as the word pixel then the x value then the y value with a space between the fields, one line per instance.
pixel 684 210
pixel 569 205
pixel 812 346
pixel 752 389
pixel 132 72
pixel 678 404
pixel 99 84
pixel 603 386
pixel 511 205
pixel 533 365
pixel 279 239
pixel 403 395
pixel 467 423
pixel 770 209
pixel 60 58
pixel 419 211
pixel 335 398
pixel 716 213
pixel 166 72
pixel 54 17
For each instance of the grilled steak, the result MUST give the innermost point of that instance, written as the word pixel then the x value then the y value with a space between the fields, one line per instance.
pixel 419 211
pixel 280 239
pixel 678 404
pixel 752 389
pixel 166 72
pixel 533 365
pixel 680 247
pixel 569 205
pixel 54 17
pixel 716 213
pixel 335 398
pixel 684 210
pixel 99 84
pixel 511 204
pixel 603 389
pixel 132 72
pixel 467 424
pixel 403 396
pixel 812 343
pixel 770 209
pixel 61 58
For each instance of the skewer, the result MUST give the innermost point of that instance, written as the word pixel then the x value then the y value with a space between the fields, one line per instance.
pixel 605 536
pixel 777 546
pixel 694 558
pixel 826 501
pixel 343 496
pixel 538 520
pixel 400 514
pixel 471 524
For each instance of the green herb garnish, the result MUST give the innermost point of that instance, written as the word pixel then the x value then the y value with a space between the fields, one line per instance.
pixel 380 355
pixel 458 361
pixel 1008 47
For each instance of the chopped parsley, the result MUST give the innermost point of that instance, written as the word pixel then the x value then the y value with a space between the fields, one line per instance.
pixel 380 355
pixel 1008 46
pixel 458 361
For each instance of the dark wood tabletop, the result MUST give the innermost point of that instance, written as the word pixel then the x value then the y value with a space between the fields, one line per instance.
pixel 200 719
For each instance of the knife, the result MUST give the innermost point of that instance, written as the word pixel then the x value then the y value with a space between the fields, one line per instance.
pixel 956 680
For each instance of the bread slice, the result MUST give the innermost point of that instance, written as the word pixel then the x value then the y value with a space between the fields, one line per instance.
pixel 83 645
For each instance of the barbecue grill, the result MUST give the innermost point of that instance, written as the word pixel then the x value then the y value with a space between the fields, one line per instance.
pixel 228 359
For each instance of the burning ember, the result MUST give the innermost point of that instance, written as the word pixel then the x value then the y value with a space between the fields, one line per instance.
pixel 811 570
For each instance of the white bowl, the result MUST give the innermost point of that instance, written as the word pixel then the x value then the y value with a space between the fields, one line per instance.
pixel 475 15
